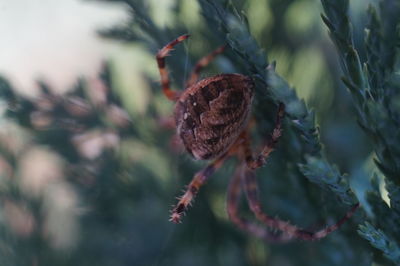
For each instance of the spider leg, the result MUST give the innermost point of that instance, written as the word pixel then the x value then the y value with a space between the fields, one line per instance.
pixel 170 94
pixel 201 64
pixel 254 163
pixel 288 229
pixel 198 180
pixel 234 193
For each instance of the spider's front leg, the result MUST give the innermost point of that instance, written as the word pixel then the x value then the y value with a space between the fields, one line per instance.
pixel 194 76
pixel 160 57
pixel 198 180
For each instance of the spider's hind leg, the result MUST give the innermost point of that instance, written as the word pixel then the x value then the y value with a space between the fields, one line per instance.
pixel 234 193
pixel 288 229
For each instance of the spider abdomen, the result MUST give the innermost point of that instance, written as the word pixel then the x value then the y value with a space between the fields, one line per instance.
pixel 212 113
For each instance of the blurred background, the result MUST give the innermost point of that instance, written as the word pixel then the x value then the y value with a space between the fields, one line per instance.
pixel 38 35
pixel 88 173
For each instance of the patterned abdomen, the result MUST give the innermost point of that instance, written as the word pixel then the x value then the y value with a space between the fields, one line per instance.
pixel 212 113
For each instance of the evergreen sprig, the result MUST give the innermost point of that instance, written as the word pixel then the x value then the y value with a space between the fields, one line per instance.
pixel 320 172
pixel 373 87
pixel 381 241
pixel 375 90
pixel 141 27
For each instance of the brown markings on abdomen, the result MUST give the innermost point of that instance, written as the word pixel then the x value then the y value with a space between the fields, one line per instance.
pixel 212 113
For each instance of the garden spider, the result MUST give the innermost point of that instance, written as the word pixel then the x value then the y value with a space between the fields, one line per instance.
pixel 211 117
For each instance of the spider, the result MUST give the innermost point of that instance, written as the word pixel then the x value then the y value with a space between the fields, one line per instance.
pixel 212 120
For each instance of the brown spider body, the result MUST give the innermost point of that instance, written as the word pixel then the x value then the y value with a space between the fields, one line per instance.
pixel 211 118
pixel 212 113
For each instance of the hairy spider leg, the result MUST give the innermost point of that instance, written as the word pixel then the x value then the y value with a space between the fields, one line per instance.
pixel 164 52
pixel 198 180
pixel 251 189
pixel 202 63
pixel 288 229
pixel 234 193
pixel 254 163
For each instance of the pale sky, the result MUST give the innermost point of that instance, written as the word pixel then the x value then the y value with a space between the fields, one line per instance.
pixel 54 40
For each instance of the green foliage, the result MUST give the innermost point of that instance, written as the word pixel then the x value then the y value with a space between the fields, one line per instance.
pixel 379 240
pixel 375 89
pixel 320 172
